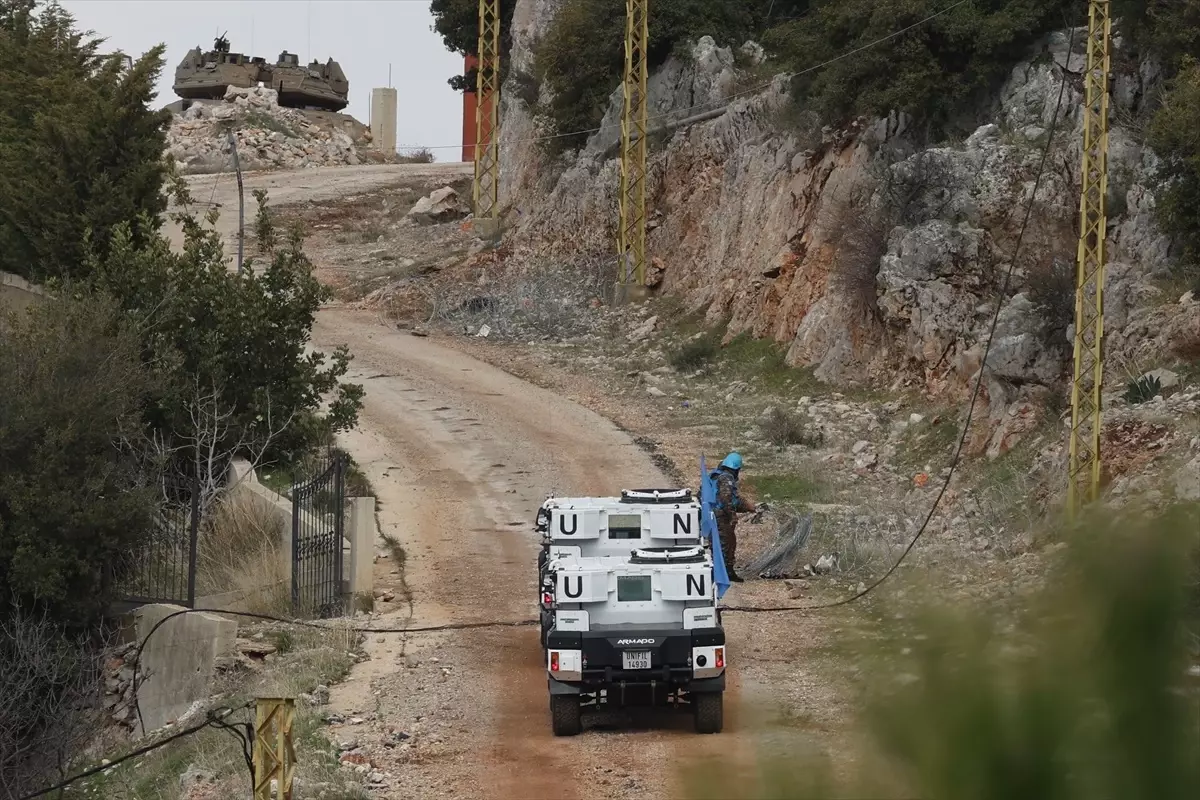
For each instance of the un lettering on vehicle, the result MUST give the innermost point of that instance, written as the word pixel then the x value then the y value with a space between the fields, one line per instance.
pixel 581 587
pixel 572 524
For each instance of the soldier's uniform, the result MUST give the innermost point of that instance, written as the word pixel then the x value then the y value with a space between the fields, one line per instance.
pixel 729 502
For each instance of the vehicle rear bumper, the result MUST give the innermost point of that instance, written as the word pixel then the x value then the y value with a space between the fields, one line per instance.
pixel 600 665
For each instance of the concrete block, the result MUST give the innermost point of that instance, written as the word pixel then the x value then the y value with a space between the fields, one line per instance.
pixel 178 661
pixel 383 119
pixel 361 532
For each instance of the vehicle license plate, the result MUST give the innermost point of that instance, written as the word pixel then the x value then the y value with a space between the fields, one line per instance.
pixel 636 659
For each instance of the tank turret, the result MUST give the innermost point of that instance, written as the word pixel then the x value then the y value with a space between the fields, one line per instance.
pixel 205 75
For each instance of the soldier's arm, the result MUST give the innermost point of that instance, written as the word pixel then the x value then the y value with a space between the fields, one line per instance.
pixel 746 504
pixel 725 493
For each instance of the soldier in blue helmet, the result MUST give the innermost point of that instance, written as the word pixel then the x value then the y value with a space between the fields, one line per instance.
pixel 729 504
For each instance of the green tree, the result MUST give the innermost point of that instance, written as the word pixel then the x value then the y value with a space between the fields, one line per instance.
pixel 1175 137
pixel 72 498
pixel 457 21
pixel 1169 29
pixel 80 149
pixel 232 349
pixel 941 71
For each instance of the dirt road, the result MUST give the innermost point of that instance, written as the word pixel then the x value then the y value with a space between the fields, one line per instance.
pixel 296 186
pixel 461 454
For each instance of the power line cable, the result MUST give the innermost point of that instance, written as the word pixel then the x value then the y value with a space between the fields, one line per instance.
pixel 725 100
pixel 214 719
pixel 457 626
pixel 978 380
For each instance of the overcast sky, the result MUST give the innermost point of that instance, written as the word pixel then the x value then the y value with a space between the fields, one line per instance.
pixel 364 36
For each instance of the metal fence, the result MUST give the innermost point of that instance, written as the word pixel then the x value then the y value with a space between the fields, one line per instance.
pixel 318 530
pixel 164 569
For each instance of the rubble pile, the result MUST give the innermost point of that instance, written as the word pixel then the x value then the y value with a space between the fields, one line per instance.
pixel 269 136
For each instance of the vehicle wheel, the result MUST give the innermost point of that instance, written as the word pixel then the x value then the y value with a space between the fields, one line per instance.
pixel 709 710
pixel 566 717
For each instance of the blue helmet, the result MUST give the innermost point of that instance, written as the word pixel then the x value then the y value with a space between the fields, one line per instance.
pixel 732 461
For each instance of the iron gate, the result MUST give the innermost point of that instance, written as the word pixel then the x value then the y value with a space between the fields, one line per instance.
pixel 163 570
pixel 318 528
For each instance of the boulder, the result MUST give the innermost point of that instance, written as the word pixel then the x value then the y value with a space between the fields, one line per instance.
pixel 1019 353
pixel 443 205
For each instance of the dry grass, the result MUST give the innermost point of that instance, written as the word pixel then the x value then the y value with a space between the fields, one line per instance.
pixel 239 555
pixel 783 428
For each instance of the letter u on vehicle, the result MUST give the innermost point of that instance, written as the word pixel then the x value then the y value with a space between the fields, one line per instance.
pixel 562 524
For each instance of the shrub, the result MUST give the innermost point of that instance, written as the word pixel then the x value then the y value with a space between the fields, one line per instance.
pixel 695 353
pixel 1175 138
pixel 71 505
pixel 1143 389
pixel 1052 292
pixel 938 71
pixel 265 233
pixel 50 689
pixel 783 428
pixel 1083 695
pixel 81 150
pixel 861 247
pixel 420 155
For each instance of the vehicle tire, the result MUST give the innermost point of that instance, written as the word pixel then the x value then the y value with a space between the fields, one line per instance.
pixel 566 717
pixel 709 710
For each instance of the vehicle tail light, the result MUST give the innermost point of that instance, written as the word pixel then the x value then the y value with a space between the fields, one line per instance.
pixel 547 598
pixel 720 657
pixel 554 662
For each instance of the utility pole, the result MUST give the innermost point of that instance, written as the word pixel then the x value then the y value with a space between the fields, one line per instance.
pixel 1084 449
pixel 274 755
pixel 631 241
pixel 237 167
pixel 487 118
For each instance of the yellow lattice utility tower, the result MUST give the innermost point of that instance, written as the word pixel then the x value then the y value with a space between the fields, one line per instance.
pixel 631 243
pixel 487 115
pixel 1084 449
pixel 274 754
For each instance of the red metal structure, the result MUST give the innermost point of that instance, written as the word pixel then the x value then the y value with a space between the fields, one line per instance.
pixel 470 101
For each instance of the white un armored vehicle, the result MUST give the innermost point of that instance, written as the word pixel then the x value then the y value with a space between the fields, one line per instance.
pixel 628 606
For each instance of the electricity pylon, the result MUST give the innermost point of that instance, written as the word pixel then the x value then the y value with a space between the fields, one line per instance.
pixel 487 113
pixel 1084 449
pixel 631 243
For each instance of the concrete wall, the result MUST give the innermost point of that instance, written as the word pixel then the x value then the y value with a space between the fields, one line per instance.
pixel 18 294
pixel 383 119
pixel 178 662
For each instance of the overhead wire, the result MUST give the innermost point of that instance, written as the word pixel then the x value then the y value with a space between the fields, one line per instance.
pixel 213 719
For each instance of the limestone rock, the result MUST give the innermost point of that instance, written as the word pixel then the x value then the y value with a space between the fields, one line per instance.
pixel 1187 480
pixel 1018 351
pixel 443 205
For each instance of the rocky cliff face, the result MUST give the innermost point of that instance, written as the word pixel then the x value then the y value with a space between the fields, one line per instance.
pixel 869 256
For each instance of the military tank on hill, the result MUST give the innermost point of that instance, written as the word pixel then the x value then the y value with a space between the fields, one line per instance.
pixel 206 76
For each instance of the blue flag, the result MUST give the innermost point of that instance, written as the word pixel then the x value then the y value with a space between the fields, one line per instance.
pixel 708 528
